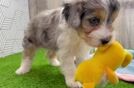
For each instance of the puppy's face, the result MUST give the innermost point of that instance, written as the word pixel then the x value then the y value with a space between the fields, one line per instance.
pixel 93 20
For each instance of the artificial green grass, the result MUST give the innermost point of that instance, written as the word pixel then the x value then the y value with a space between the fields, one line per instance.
pixel 42 74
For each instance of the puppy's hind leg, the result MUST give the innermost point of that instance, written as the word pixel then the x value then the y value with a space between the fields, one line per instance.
pixel 28 53
pixel 25 67
pixel 53 58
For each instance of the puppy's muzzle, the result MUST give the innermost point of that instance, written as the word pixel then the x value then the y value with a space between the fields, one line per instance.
pixel 106 40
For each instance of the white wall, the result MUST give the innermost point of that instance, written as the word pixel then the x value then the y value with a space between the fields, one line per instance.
pixel 14 17
pixel 125 24
pixel 51 4
pixel 37 6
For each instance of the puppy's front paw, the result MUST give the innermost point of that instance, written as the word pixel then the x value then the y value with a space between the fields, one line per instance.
pixel 22 71
pixel 72 84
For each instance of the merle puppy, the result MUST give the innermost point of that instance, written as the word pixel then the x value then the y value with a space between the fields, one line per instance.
pixel 68 32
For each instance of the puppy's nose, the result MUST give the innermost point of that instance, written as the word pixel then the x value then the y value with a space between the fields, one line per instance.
pixel 105 40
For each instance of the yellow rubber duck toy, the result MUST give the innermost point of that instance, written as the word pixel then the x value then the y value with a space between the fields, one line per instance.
pixel 104 62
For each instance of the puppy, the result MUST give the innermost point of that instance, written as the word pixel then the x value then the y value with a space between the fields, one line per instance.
pixel 68 32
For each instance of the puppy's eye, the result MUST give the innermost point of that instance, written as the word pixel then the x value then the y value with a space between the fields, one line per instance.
pixel 94 21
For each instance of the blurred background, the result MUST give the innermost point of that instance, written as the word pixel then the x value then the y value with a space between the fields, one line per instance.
pixel 15 14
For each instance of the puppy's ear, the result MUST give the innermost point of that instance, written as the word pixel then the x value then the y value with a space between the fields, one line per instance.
pixel 71 13
pixel 114 7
